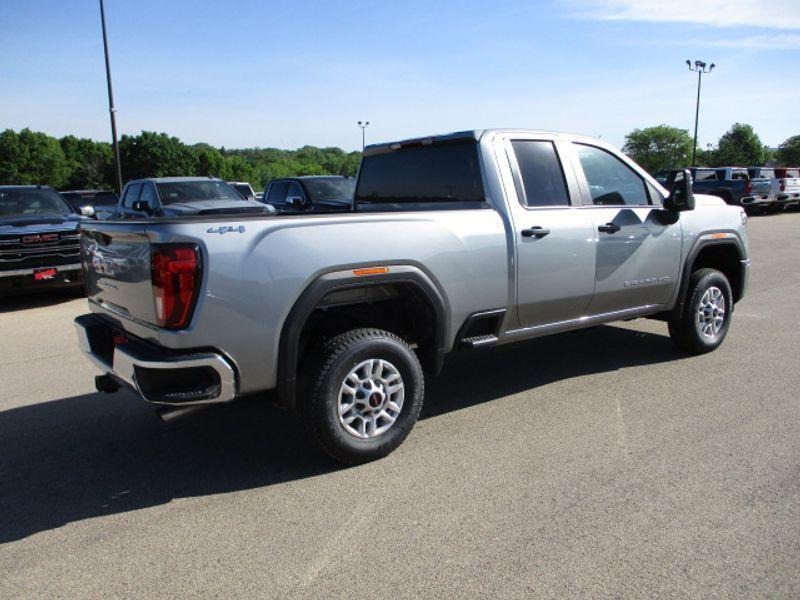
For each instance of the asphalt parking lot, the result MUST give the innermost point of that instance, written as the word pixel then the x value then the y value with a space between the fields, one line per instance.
pixel 599 463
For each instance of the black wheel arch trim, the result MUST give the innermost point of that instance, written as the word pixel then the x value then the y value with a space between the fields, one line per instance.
pixel 701 243
pixel 342 277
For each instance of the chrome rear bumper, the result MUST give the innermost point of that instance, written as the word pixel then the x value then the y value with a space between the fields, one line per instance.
pixel 135 366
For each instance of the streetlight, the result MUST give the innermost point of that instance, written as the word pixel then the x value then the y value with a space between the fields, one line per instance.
pixel 708 153
pixel 363 125
pixel 701 68
pixel 111 108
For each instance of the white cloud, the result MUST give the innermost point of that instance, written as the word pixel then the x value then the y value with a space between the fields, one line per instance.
pixel 777 41
pixel 769 14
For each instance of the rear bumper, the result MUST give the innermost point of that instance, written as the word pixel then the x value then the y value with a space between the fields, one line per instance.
pixel 758 200
pixel 155 374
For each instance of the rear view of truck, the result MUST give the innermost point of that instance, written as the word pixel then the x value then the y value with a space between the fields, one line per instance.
pixel 143 290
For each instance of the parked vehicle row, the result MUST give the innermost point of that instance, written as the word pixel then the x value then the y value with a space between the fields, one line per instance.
pixel 756 189
pixel 467 240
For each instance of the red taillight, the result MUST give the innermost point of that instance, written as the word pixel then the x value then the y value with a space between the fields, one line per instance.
pixel 176 272
pixel 783 185
pixel 747 187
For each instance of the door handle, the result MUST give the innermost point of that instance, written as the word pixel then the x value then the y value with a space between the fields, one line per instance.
pixel 609 228
pixel 535 231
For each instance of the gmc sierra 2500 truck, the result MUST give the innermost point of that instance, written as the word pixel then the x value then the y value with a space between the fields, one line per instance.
pixel 459 241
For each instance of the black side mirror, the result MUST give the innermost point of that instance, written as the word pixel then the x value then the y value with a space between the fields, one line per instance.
pixel 142 206
pixel 298 202
pixel 681 196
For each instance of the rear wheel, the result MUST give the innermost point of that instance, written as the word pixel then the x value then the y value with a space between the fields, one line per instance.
pixel 706 316
pixel 362 394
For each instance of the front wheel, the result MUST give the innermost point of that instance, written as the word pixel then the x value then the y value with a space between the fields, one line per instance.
pixel 362 394
pixel 706 315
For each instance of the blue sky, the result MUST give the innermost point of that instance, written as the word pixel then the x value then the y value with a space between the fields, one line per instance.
pixel 285 74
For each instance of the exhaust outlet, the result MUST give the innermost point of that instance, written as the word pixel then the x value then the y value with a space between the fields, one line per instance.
pixel 170 413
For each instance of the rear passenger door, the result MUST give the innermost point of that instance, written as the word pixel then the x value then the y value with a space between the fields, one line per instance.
pixel 554 238
pixel 638 249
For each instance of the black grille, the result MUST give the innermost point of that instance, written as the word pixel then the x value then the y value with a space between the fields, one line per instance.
pixel 27 250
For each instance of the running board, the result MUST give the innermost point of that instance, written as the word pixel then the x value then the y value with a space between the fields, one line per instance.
pixel 479 341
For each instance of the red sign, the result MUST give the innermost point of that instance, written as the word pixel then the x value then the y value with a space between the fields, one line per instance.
pixel 44 275
pixel 40 238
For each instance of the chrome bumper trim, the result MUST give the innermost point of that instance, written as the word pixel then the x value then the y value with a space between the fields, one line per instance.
pixel 59 268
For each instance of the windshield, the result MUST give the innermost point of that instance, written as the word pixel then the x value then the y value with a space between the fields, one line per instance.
pixel 195 191
pixel 32 201
pixel 330 189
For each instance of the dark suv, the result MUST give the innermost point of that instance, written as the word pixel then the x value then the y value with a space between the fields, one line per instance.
pixel 319 193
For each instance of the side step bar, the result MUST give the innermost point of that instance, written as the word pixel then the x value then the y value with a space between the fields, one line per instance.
pixel 479 341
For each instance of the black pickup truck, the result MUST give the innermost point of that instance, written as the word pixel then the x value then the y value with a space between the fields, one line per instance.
pixel 39 240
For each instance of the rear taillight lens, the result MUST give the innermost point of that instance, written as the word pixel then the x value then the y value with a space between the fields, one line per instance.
pixel 783 185
pixel 747 187
pixel 176 271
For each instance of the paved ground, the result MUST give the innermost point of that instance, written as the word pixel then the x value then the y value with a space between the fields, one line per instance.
pixel 599 463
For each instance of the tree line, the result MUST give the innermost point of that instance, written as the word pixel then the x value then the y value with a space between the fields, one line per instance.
pixel 665 147
pixel 31 157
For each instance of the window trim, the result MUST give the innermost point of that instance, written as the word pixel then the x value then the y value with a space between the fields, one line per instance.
pixel 584 182
pixel 516 175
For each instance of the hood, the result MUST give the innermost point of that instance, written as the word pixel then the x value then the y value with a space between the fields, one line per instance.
pixel 216 207
pixel 52 222
pixel 706 200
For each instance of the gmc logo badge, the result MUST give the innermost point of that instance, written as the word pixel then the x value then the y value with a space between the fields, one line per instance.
pixel 38 239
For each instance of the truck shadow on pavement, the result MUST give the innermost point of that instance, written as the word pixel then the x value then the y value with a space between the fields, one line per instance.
pixel 17 302
pixel 88 456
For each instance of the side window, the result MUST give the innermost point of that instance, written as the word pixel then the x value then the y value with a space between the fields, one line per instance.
pixel 611 181
pixel 541 172
pixel 277 192
pixel 131 194
pixel 295 191
pixel 148 195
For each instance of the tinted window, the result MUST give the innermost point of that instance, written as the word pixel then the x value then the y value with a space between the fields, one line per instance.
pixel 131 194
pixel 105 199
pixel 705 175
pixel 244 189
pixel 542 176
pixel 172 192
pixel 277 192
pixel 32 201
pixel 611 181
pixel 148 195
pixel 443 174
pixel 294 191
pixel 329 189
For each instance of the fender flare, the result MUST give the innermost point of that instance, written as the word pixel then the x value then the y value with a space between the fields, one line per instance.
pixel 322 285
pixel 704 241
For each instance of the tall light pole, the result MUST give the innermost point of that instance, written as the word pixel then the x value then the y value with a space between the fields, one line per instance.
pixel 363 125
pixel 701 68
pixel 111 109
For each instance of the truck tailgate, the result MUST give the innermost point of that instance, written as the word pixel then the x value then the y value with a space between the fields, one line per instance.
pixel 117 264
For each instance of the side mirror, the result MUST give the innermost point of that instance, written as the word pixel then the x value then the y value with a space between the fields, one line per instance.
pixel 297 202
pixel 141 206
pixel 681 196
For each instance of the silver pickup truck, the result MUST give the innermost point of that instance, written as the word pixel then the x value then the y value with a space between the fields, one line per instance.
pixel 459 241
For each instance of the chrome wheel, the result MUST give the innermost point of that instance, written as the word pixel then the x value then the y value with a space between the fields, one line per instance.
pixel 371 398
pixel 711 313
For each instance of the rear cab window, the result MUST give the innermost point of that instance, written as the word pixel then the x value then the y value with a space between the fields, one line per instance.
pixel 419 176
pixel 541 174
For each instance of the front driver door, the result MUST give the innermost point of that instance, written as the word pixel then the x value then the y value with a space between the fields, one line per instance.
pixel 553 235
pixel 638 249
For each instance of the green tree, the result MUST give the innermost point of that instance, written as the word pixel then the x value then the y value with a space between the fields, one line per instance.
pixel 739 146
pixel 788 154
pixel 31 157
pixel 151 154
pixel 659 147
pixel 210 162
pixel 90 163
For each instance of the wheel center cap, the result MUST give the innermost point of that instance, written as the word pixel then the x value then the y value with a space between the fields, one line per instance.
pixel 375 400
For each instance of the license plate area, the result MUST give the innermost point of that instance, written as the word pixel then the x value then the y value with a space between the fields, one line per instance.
pixel 45 274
